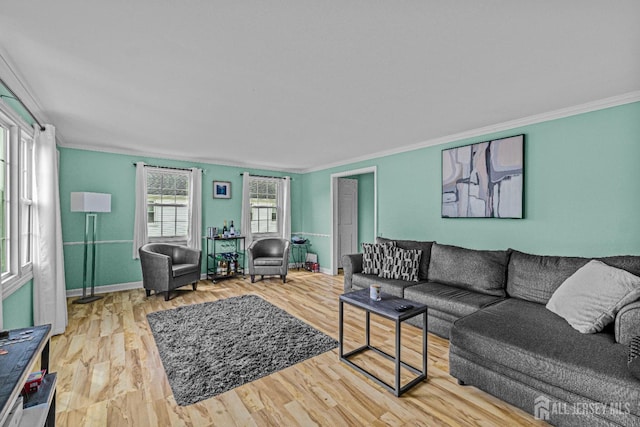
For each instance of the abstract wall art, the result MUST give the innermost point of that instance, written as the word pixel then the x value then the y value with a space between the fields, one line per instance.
pixel 484 180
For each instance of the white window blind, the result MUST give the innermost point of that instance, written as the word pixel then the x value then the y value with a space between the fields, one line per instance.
pixel 167 204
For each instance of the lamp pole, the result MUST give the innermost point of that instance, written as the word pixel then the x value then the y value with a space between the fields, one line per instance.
pixel 87 299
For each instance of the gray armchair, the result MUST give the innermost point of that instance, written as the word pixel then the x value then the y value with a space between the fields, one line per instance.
pixel 167 267
pixel 268 257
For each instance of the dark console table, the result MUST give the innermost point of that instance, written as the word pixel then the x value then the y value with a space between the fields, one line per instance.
pixel 39 407
pixel 386 308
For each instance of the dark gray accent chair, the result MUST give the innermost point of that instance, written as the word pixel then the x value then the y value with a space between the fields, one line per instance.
pixel 166 267
pixel 269 256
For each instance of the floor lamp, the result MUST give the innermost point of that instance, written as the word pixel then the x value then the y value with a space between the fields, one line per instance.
pixel 90 203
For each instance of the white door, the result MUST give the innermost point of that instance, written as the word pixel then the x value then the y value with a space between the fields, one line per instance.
pixel 347 217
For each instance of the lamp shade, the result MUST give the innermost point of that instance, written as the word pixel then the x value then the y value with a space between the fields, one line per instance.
pixel 90 202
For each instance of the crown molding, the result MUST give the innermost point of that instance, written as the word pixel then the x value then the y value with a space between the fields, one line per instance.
pixel 601 104
pixel 167 156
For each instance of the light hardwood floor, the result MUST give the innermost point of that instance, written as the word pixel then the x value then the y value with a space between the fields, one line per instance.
pixel 110 374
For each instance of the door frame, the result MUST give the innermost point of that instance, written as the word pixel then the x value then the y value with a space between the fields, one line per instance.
pixel 334 208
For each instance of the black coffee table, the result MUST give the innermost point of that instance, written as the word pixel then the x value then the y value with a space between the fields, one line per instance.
pixel 385 308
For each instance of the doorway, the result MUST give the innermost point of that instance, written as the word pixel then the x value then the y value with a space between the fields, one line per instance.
pixel 347 218
pixel 343 238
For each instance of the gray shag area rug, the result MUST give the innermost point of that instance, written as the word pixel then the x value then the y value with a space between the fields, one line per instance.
pixel 210 348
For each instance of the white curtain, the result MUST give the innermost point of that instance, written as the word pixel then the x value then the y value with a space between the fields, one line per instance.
pixel 286 208
pixel 245 223
pixel 49 288
pixel 140 220
pixel 194 239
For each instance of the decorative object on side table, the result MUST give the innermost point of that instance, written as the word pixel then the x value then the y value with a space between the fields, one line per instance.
pixel 221 189
pixel 297 240
pixel 91 203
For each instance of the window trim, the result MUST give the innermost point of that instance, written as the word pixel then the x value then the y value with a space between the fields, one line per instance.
pixel 17 275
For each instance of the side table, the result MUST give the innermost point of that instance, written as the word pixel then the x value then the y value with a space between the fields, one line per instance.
pixel 384 308
pixel 299 254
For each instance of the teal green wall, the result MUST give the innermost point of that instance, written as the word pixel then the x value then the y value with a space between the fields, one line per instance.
pixel 82 170
pixel 582 191
pixel 581 198
pixel 17 308
pixel 366 207
pixel 10 100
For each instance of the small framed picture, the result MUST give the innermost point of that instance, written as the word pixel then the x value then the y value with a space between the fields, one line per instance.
pixel 221 190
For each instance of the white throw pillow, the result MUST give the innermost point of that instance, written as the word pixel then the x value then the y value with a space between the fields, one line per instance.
pixel 592 296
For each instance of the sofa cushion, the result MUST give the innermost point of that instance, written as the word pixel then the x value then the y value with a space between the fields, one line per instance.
pixel 425 247
pixel 535 277
pixel 182 269
pixel 527 338
pixel 476 270
pixel 268 261
pixel 630 263
pixel 389 286
pixel 373 255
pixel 449 299
pixel 592 296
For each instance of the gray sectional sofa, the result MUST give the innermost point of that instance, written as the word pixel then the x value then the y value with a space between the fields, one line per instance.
pixel 503 340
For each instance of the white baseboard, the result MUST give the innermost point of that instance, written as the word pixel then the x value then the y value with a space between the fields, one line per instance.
pixel 136 285
pixel 115 287
pixel 106 288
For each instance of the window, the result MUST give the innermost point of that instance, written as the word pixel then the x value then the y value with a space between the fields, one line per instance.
pixel 5 225
pixel 263 198
pixel 167 204
pixel 16 205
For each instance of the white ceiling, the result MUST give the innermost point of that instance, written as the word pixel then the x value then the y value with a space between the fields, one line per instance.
pixel 298 85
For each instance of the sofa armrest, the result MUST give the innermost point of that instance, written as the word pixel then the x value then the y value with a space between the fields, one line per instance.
pixel 628 323
pixel 351 264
